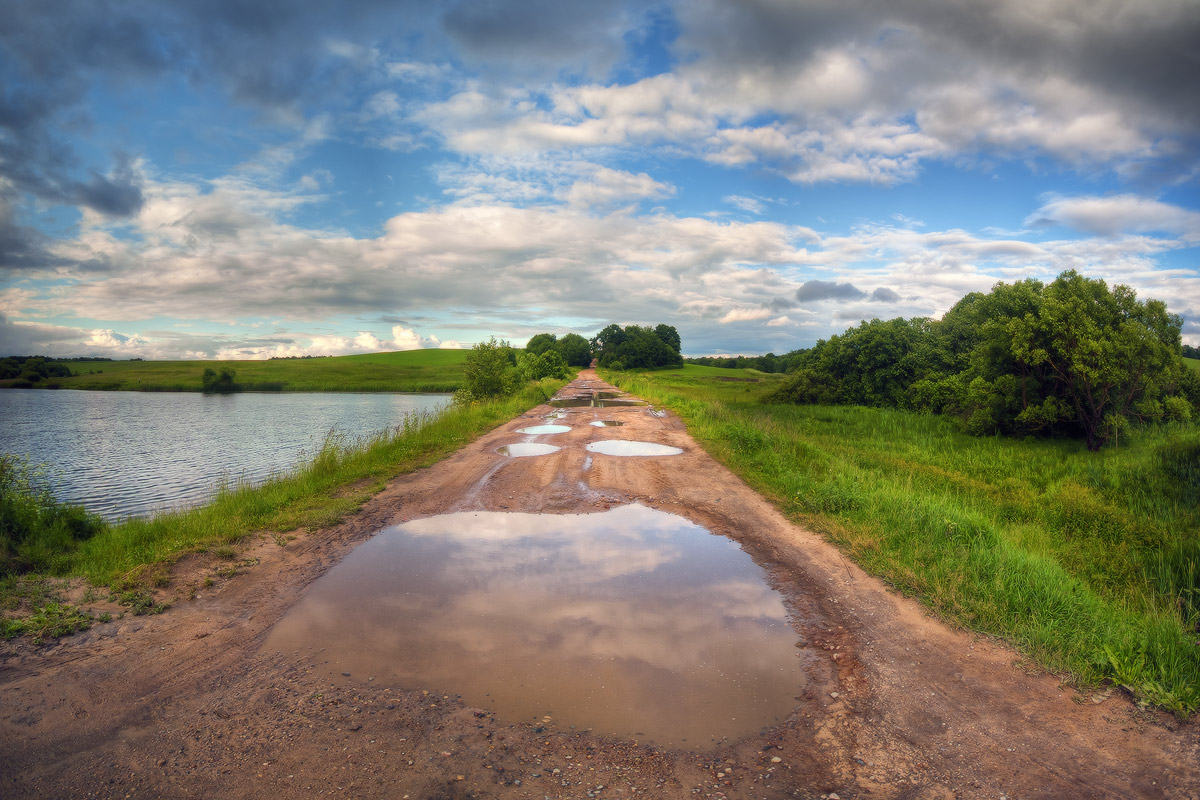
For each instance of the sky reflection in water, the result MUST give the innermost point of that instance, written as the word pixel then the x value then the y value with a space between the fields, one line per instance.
pixel 632 621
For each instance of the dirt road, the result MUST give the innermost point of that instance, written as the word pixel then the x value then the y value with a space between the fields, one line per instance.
pixel 187 704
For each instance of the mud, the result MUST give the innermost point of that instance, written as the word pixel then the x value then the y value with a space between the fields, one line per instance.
pixel 895 705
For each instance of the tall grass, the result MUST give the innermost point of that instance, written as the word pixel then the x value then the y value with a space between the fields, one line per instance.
pixel 1085 561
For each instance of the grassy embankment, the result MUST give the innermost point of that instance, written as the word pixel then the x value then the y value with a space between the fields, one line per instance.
pixel 405 371
pixel 1087 562
pixel 129 559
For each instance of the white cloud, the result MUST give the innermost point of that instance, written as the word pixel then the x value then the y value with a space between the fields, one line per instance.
pixel 744 315
pixel 778 322
pixel 368 341
pixel 1120 214
pixel 747 204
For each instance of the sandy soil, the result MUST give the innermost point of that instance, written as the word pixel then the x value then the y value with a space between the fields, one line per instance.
pixel 899 706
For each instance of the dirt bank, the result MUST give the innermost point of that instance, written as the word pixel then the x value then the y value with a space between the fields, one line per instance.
pixel 898 706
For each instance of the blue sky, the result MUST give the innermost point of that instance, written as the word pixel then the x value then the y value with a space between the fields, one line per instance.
pixel 226 179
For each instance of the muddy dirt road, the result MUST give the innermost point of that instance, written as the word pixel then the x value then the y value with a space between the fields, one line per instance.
pixel 189 704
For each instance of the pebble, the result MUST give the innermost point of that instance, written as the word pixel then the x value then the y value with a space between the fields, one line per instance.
pixel 775 759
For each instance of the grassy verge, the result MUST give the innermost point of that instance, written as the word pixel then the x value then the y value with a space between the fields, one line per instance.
pixel 131 557
pixel 1087 562
pixel 407 371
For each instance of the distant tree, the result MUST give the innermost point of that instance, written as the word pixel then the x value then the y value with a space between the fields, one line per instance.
pixel 1190 352
pixel 212 381
pixel 607 341
pixel 575 350
pixel 637 347
pixel 540 343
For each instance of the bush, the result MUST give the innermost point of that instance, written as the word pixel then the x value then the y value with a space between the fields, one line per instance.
pixel 489 371
pixel 213 381
pixel 36 531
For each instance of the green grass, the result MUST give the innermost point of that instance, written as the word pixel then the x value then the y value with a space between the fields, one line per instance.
pixel 133 556
pixel 405 371
pixel 1194 363
pixel 1085 561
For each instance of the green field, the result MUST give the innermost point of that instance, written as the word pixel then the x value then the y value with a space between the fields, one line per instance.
pixel 405 371
pixel 1089 562
pixel 1194 363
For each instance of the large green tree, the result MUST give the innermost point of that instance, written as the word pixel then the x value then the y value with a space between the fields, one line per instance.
pixel 1072 357
pixel 575 350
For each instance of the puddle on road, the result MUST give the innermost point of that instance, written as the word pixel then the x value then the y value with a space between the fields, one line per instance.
pixel 631 622
pixel 582 402
pixel 626 447
pixel 607 423
pixel 524 449
pixel 537 430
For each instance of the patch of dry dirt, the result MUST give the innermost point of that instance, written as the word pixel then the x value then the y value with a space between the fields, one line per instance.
pixel 898 706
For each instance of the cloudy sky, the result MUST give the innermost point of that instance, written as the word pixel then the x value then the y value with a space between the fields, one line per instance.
pixel 240 179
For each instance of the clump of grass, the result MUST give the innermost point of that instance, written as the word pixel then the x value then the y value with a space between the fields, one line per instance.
pixel 49 621
pixel 37 532
pixel 1085 561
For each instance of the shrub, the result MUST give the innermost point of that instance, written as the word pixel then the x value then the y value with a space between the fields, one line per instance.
pixel 35 529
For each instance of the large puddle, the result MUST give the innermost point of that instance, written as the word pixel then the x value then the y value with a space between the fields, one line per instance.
pixel 631 622
pixel 582 402
pixel 627 447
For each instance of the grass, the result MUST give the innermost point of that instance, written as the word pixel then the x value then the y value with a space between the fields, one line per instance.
pixel 1087 562
pixel 405 371
pixel 132 557
pixel 1194 363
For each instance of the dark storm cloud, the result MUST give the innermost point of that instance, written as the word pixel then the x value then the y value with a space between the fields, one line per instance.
pixel 1144 53
pixel 271 55
pixel 582 35
pixel 885 295
pixel 812 291
pixel 21 247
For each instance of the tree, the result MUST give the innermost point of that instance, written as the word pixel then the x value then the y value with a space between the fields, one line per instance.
pixel 575 350
pixel 669 336
pixel 489 370
pixel 608 340
pixel 636 347
pixel 540 343
pixel 1070 358
pixel 213 381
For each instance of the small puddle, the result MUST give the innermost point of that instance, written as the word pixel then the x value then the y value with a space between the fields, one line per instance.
pixel 524 449
pixel 625 447
pixel 537 430
pixel 631 622
pixel 607 423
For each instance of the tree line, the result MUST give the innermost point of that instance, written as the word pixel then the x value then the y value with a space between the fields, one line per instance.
pixel 1073 357
pixel 495 368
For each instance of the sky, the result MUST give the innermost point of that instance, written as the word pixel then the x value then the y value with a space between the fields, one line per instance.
pixel 243 179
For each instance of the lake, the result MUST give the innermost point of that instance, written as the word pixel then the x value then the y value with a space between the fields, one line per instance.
pixel 127 454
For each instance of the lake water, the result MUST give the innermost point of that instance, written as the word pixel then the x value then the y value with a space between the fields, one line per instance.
pixel 132 453
pixel 631 622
